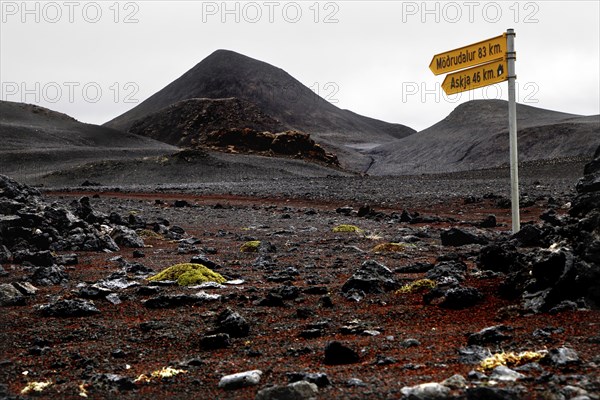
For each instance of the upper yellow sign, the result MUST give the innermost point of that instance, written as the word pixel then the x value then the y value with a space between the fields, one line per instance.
pixel 476 77
pixel 468 56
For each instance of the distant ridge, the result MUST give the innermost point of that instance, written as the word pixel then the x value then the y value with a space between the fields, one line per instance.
pixel 475 136
pixel 36 140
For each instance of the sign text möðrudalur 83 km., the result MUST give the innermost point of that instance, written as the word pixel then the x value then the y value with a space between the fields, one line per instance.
pixel 468 56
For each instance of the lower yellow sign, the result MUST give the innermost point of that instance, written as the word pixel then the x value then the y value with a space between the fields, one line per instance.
pixel 476 77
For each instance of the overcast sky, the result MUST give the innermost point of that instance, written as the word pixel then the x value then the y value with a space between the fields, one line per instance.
pixel 96 60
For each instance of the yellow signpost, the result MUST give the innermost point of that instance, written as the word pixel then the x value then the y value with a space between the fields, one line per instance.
pixel 468 56
pixel 476 77
pixel 493 61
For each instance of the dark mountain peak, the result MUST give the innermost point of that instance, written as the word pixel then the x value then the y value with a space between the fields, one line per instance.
pixel 227 60
pixel 228 55
pixel 227 74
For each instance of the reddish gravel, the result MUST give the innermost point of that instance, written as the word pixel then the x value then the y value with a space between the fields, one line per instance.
pixel 76 348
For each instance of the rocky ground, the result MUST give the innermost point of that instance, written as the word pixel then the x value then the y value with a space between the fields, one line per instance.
pixel 356 287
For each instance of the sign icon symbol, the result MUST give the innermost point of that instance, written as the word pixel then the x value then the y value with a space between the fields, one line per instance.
pixel 500 71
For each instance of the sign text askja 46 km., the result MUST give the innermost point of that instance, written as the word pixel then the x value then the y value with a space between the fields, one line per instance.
pixel 468 56
pixel 476 77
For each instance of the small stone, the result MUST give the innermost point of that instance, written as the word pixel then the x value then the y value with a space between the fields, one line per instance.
pixel 409 343
pixel 574 392
pixel 492 334
pixel 505 374
pixel 25 288
pixel 240 380
pixel 10 296
pixel 426 391
pixel 384 360
pixel 177 300
pixel 355 382
pixel 372 277
pixel 457 237
pixel 126 237
pixel 67 259
pixel 310 333
pixel 138 254
pixel 461 297
pixel 232 323
pixel 304 312
pixel 562 356
pixel 473 354
pixel 476 376
pixel 337 353
pixel 528 236
pixel 455 382
pixel 218 341
pixel 491 393
pixel 114 298
pixel 118 353
pixel 69 308
pixel 300 390
pixel 488 222
pixel 326 301
pixel 110 381
pixel 371 332
pixel 318 378
pixel 204 260
pixel 565 305
pixel 46 276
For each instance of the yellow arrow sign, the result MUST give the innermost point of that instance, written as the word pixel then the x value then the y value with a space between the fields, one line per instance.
pixel 468 56
pixel 476 77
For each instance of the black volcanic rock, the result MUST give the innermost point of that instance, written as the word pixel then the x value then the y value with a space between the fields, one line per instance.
pixel 567 267
pixel 459 237
pixel 588 189
pixel 188 122
pixel 371 277
pixel 56 229
pixel 232 323
pixel 337 354
pixel 69 308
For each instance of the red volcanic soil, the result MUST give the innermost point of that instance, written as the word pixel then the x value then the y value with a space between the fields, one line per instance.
pixel 130 339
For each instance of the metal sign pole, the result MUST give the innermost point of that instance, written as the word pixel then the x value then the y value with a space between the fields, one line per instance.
pixel 512 130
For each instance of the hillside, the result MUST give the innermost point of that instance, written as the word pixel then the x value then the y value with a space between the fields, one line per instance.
pixel 475 136
pixel 36 140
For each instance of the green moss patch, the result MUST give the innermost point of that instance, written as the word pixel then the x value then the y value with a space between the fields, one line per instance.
pixel 250 247
pixel 188 274
pixel 347 228
pixel 389 248
pixel 148 234
pixel 417 286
